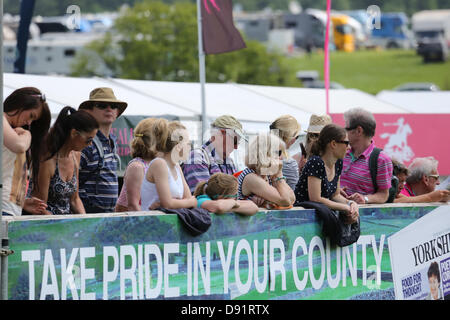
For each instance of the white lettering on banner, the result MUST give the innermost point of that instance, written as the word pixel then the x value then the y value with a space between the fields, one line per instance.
pixel 299 284
pixel 243 245
pixel 277 265
pixel 225 262
pixel 170 268
pixel 333 283
pixel 152 249
pixel 143 271
pixel 31 256
pixel 49 288
pixel 86 273
pixel 204 270
pixel 109 276
pixel 316 242
pixel 128 274
pixel 67 274
pixel 346 256
pixel 260 286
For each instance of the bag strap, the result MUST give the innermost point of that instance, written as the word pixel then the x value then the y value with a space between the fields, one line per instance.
pixel 373 166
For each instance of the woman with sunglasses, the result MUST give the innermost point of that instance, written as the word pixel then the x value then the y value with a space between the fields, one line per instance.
pixel 57 180
pixel 288 129
pixel 219 195
pixel 263 178
pixel 26 120
pixel 320 178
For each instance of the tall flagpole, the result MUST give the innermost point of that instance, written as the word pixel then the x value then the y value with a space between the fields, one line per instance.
pixel 201 64
pixel 1 149
pixel 326 68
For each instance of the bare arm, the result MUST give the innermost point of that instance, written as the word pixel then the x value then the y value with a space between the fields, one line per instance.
pixel 17 140
pixel 133 181
pixel 158 173
pixel 46 171
pixel 245 207
pixel 75 202
pixel 434 196
pixel 280 194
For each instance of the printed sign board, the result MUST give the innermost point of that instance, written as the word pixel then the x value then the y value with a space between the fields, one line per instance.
pixel 271 255
pixel 420 258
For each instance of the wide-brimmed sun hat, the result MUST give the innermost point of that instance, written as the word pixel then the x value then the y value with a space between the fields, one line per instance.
pixel 316 123
pixel 103 95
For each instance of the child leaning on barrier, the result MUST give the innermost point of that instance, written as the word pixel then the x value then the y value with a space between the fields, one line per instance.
pixel 219 195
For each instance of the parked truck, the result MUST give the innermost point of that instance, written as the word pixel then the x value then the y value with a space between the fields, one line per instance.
pixel 343 32
pixel 393 32
pixel 432 30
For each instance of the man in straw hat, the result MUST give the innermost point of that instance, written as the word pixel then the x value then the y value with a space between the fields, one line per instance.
pixel 214 155
pixel 99 185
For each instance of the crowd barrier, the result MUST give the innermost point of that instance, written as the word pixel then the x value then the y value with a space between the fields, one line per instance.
pixel 149 255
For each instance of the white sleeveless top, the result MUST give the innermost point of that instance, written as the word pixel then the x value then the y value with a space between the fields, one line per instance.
pixel 149 194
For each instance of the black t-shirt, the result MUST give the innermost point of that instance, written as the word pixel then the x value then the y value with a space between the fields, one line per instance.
pixel 316 167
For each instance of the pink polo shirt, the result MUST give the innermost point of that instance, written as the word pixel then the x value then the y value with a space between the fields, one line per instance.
pixel 356 173
pixel 407 191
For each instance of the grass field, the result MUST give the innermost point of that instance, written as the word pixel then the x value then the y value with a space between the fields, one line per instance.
pixel 372 71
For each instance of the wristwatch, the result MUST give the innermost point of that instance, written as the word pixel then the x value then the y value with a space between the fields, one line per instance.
pixel 366 199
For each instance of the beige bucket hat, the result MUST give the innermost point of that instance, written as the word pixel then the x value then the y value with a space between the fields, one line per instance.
pixel 229 122
pixel 316 123
pixel 103 95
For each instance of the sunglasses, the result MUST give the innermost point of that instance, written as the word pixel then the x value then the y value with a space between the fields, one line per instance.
pixel 346 142
pixel 436 176
pixel 104 105
pixel 40 96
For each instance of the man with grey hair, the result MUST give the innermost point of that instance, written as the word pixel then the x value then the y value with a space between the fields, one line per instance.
pixel 356 179
pixel 214 155
pixel 421 183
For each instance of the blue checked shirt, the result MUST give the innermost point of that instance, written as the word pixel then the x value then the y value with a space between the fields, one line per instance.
pixel 196 169
pixel 99 187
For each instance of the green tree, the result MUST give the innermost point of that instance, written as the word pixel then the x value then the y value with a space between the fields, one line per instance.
pixel 155 41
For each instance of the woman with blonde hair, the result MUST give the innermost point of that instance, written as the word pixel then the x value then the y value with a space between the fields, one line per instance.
pixel 288 129
pixel 142 153
pixel 219 195
pixel 164 184
pixel 263 177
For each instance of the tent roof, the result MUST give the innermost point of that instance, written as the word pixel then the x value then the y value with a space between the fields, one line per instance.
pixel 248 103
pixel 418 101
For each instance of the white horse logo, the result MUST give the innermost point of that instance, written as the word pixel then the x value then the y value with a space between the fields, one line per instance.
pixel 397 145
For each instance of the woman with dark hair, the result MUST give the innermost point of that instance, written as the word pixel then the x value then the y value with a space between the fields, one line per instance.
pixel 57 179
pixel 26 120
pixel 320 178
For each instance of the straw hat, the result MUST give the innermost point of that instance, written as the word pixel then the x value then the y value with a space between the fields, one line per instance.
pixel 316 123
pixel 229 122
pixel 103 95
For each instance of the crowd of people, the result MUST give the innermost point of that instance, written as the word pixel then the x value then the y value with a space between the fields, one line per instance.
pixel 71 168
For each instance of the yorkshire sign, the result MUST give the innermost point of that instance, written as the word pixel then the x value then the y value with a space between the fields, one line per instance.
pixel 272 255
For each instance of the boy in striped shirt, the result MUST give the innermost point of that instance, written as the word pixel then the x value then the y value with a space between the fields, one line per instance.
pixel 356 180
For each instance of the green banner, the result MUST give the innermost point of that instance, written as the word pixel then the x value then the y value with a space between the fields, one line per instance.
pixel 271 255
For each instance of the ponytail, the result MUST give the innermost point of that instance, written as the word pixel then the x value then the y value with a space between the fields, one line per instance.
pixel 201 188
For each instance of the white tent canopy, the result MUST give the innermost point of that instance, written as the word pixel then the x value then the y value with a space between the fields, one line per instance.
pixel 255 106
pixel 418 101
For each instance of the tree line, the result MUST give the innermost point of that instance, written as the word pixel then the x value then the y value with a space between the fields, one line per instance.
pixel 54 8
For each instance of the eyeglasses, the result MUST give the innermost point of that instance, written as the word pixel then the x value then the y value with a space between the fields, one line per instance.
pixel 346 142
pixel 312 135
pixel 436 176
pixel 104 105
pixel 40 96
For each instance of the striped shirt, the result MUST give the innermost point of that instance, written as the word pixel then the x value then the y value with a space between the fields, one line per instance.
pixel 198 168
pixel 356 174
pixel 99 187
